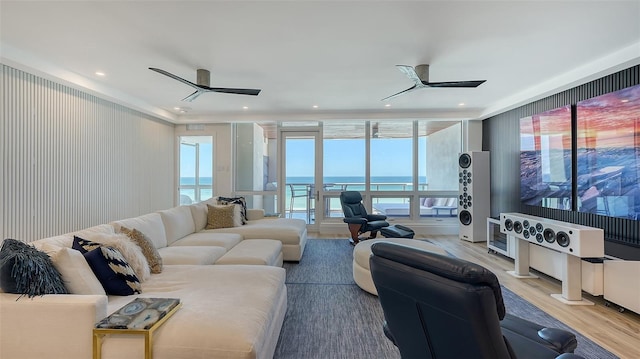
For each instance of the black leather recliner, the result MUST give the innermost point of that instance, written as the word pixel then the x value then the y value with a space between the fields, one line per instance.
pixel 355 215
pixel 442 307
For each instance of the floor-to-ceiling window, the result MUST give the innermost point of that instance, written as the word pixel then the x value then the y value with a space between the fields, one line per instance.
pixel 403 168
pixel 196 169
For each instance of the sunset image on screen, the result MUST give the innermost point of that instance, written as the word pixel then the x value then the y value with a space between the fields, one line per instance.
pixel 608 153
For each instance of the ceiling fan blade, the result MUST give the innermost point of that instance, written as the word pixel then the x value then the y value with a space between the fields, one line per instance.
pixel 401 92
pixel 455 84
pixel 251 92
pixel 193 96
pixel 186 82
pixel 410 72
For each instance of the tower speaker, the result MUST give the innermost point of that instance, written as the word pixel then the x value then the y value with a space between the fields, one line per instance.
pixel 473 195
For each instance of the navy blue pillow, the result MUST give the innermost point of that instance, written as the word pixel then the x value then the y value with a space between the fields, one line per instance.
pixel 110 267
pixel 113 271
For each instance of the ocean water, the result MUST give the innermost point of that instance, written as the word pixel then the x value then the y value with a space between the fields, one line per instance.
pixel 351 183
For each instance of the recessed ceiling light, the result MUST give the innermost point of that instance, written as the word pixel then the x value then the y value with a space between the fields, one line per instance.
pixel 99 73
pixel 245 107
pixel 461 104
pixel 387 105
pixel 315 106
pixel 182 109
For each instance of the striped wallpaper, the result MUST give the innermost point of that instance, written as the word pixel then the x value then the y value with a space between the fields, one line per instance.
pixel 501 136
pixel 71 160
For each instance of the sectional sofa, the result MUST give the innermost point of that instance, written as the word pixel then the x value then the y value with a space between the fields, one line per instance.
pixel 229 280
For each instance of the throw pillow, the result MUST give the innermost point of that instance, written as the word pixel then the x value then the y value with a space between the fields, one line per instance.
pixel 236 200
pixel 76 273
pixel 219 216
pixel 129 250
pixel 26 270
pixel 113 272
pixel 148 249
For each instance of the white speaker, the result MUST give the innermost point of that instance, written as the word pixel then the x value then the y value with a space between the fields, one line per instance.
pixel 574 239
pixel 473 195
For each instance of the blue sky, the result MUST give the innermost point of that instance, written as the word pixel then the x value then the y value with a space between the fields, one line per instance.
pixel 345 157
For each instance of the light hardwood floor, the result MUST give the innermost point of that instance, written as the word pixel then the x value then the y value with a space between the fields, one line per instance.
pixel 617 332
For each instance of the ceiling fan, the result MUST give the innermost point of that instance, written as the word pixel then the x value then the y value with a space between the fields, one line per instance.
pixel 202 85
pixel 420 75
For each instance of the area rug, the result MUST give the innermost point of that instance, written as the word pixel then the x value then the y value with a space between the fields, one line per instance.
pixel 329 316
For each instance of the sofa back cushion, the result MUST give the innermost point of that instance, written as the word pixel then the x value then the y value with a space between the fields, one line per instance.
pixel 150 224
pixel 178 223
pixel 199 214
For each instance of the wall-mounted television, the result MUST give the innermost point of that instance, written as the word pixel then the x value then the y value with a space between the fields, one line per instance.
pixel 608 151
pixel 545 159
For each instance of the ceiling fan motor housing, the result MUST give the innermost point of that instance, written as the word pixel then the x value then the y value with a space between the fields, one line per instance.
pixel 203 77
pixel 423 72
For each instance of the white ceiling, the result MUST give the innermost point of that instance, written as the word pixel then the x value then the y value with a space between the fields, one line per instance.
pixel 338 55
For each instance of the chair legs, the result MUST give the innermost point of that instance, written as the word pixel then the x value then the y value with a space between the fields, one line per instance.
pixel 354 229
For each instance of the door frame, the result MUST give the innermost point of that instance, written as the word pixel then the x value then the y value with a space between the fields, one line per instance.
pixel 318 205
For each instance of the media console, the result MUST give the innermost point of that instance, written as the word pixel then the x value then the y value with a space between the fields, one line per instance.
pixel 572 241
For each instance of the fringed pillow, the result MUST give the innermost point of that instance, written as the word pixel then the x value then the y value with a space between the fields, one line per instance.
pixel 26 270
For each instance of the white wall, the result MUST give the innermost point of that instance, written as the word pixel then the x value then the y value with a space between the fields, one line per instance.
pixel 71 160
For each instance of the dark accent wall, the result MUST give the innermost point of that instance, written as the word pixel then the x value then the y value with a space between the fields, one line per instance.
pixel 501 136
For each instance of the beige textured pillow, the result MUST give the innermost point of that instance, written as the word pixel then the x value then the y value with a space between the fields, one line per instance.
pixel 220 216
pixel 148 249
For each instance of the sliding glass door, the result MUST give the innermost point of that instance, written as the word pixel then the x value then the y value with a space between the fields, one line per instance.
pixel 300 174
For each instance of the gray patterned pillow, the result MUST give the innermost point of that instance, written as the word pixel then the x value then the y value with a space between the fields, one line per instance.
pixel 148 249
pixel 220 216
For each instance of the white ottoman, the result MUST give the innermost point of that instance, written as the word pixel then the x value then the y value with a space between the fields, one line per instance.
pixel 362 252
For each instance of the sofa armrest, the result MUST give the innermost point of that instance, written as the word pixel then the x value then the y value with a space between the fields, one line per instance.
pixel 255 213
pixel 50 326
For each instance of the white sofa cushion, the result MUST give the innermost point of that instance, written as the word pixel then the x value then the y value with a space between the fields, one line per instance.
pixel 150 224
pixel 254 251
pixel 101 228
pixel 287 230
pixel 199 214
pixel 178 222
pixel 218 318
pixel 225 240
pixel 190 255
pixel 66 240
